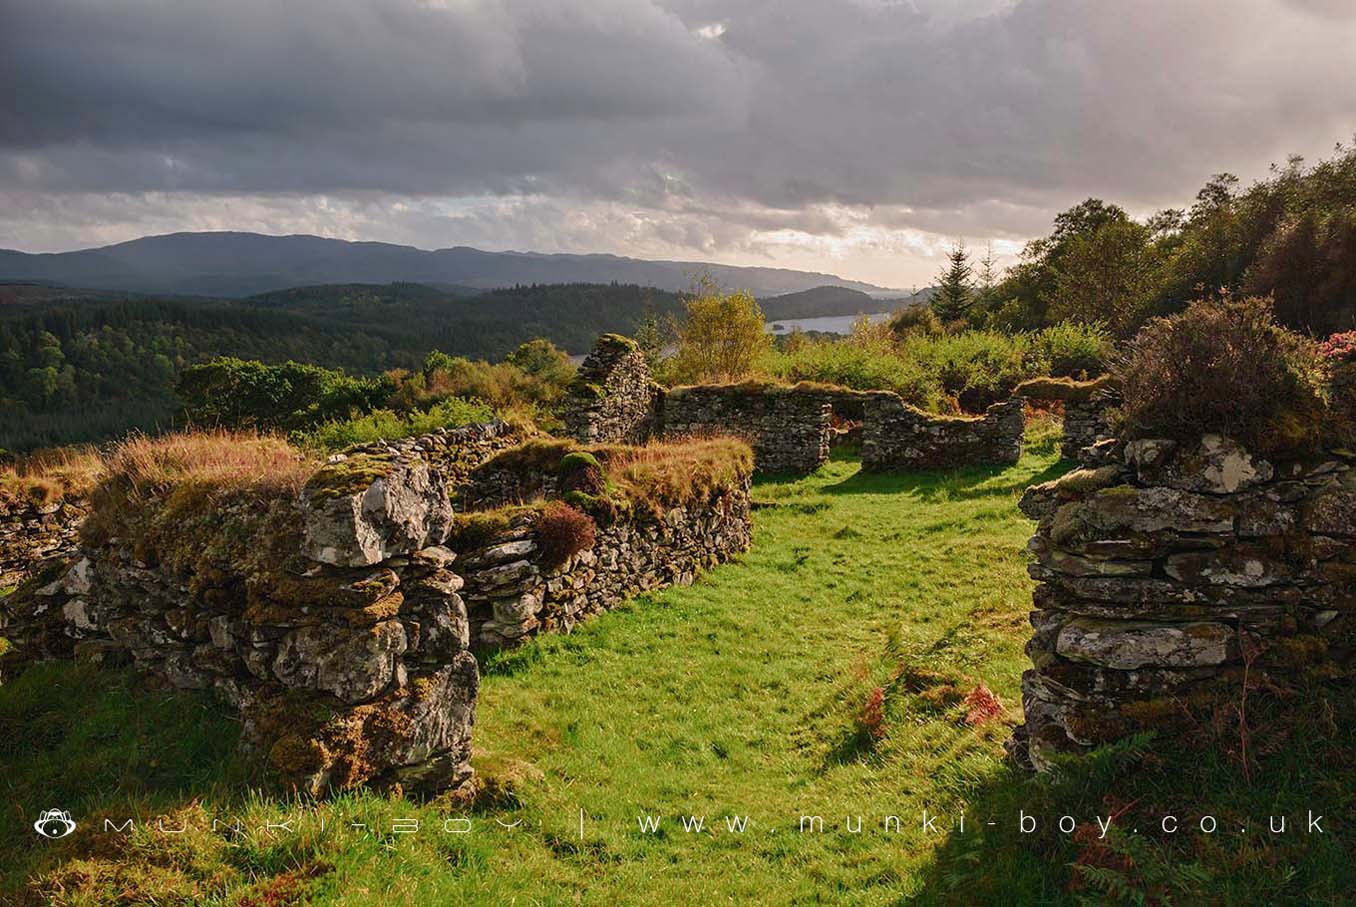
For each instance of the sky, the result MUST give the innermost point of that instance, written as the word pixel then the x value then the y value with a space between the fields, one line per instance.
pixel 858 137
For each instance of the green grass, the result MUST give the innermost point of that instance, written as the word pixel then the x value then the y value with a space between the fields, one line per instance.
pixel 745 694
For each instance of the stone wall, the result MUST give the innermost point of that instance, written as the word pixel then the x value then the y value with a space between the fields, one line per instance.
pixel 1086 405
pixel 898 436
pixel 788 427
pixel 1168 573
pixel 511 593
pixel 334 618
pixel 31 532
pixel 613 399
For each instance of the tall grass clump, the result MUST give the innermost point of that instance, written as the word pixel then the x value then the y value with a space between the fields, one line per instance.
pixel 1225 366
pixel 48 476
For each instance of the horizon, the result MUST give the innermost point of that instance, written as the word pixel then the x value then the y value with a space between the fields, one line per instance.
pixel 854 138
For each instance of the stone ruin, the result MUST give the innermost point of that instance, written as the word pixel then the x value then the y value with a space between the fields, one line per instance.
pixel 342 620
pixel 790 427
pixel 1171 574
pixel 898 436
pixel 1086 406
pixel 613 399
pixel 34 530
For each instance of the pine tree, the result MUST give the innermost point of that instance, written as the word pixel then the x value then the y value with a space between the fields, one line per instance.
pixel 954 291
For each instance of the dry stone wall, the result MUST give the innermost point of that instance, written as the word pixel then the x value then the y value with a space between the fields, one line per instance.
pixel 1168 573
pixel 898 436
pixel 337 619
pixel 31 532
pixel 613 400
pixel 788 427
pixel 512 592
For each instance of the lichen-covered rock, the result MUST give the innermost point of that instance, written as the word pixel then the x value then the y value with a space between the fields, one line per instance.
pixel 1156 579
pixel 353 664
pixel 362 510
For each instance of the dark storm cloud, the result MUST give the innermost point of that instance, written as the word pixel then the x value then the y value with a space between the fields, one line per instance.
pixel 694 123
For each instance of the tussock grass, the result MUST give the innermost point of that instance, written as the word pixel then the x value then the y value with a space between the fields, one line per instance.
pixel 49 476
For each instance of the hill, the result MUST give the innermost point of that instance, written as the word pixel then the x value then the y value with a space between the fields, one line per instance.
pixel 81 365
pixel 236 265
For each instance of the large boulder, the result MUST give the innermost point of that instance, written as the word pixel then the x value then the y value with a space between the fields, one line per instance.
pixel 363 509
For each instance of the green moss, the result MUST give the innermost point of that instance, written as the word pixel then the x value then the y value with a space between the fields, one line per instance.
pixel 616 343
pixel 576 460
pixel 348 476
pixel 1066 389
pixel 588 390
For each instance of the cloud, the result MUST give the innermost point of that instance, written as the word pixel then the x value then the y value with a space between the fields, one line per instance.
pixel 865 132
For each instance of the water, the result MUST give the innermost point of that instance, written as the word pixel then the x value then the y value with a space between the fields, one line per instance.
pixel 831 324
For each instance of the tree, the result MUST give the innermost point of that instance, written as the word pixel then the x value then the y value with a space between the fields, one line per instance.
pixel 722 335
pixel 1108 278
pixel 652 337
pixel 542 359
pixel 955 290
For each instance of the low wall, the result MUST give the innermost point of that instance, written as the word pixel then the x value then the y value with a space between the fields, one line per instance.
pixel 1087 405
pixel 512 592
pixel 31 532
pixel 898 436
pixel 1169 576
pixel 788 427
pixel 331 611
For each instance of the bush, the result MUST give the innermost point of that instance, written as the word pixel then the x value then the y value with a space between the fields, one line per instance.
pixel 386 425
pixel 915 319
pixel 976 368
pixel 563 532
pixel 1225 366
pixel 861 367
pixel 1075 350
pixel 1340 347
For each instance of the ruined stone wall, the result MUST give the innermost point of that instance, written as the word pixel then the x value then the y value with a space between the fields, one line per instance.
pixel 1086 408
pixel 614 399
pixel 1167 573
pixel 1085 423
pixel 898 436
pixel 31 532
pixel 334 618
pixel 788 427
pixel 511 593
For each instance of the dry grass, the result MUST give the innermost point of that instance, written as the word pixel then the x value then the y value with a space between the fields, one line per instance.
pixel 49 476
pixel 152 485
pixel 148 466
pixel 672 474
pixel 1065 389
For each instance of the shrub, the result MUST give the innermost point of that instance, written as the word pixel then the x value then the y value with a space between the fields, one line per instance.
pixel 386 425
pixel 1339 347
pixel 563 532
pixel 1224 366
pixel 915 319
pixel 1075 350
pixel 976 368
pixel 860 367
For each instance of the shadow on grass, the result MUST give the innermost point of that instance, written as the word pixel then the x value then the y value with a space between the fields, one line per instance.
pixel 956 484
pixel 1307 765
pixel 95 741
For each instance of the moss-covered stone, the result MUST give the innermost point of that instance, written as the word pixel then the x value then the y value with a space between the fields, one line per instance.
pixel 348 476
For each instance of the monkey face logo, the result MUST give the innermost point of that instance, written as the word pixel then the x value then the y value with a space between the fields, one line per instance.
pixel 55 823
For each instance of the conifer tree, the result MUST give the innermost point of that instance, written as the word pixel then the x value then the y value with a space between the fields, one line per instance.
pixel 954 291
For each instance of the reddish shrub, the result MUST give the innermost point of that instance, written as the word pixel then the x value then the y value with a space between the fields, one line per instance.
pixel 982 706
pixel 563 531
pixel 1339 347
pixel 1225 366
pixel 872 722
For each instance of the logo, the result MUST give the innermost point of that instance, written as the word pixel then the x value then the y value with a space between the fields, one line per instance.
pixel 55 823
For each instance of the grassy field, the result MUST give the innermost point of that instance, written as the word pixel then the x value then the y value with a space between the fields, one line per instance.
pixel 842 669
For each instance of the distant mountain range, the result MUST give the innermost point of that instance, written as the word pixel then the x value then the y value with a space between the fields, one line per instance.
pixel 229 264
